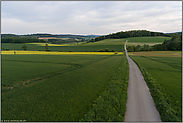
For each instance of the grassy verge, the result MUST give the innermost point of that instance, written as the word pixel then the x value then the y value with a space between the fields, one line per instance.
pixel 167 113
pixel 111 104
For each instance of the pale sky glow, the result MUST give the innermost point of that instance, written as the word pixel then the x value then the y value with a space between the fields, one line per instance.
pixel 89 17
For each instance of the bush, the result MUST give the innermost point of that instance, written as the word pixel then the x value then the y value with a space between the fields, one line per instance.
pixel 70 51
pixel 48 50
pixel 112 50
pixel 106 49
pixel 101 50
pixel 24 47
pixel 60 51
pixel 39 50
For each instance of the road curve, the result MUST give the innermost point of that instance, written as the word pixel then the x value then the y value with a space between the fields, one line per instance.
pixel 140 104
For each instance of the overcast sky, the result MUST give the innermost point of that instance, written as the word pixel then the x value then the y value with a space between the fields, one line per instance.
pixel 89 17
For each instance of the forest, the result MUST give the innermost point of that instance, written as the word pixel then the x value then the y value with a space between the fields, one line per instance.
pixel 132 33
pixel 17 39
pixel 34 38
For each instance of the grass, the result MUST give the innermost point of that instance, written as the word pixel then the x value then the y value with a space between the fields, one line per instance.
pixel 59 88
pixel 164 78
pixel 146 40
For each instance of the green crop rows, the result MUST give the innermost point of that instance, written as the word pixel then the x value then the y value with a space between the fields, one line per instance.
pixel 111 104
pixel 164 78
pixel 55 88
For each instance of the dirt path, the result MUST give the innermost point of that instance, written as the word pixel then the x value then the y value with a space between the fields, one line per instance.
pixel 140 105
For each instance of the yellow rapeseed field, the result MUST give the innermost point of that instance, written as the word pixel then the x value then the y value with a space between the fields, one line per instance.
pixel 60 53
pixel 43 44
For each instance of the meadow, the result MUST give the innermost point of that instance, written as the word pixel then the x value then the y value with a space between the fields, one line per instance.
pixel 163 74
pixel 146 40
pixel 56 87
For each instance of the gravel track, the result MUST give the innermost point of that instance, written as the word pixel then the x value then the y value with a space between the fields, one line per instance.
pixel 140 104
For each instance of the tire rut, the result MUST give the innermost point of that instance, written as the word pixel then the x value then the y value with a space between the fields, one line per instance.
pixel 42 78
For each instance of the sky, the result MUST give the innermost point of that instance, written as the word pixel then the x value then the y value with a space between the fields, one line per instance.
pixel 89 17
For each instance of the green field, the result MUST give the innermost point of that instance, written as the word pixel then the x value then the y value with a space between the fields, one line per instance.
pixel 86 87
pixel 55 88
pixel 111 44
pixel 164 78
pixel 146 40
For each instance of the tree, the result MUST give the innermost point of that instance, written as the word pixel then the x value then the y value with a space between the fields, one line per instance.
pixel 130 48
pixel 24 47
pixel 146 47
pixel 137 48
pixel 106 49
pixel 46 46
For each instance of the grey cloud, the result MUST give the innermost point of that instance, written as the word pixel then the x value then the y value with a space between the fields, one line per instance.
pixel 85 17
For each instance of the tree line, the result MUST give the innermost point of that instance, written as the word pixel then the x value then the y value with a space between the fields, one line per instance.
pixel 174 44
pixel 51 35
pixel 21 40
pixel 127 34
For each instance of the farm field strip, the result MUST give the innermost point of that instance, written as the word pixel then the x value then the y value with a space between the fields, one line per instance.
pixel 110 106
pixel 108 42
pixel 146 40
pixel 173 64
pixel 158 53
pixel 111 44
pixel 60 53
pixel 45 76
pixel 163 75
pixel 63 97
pixel 141 44
pixel 32 81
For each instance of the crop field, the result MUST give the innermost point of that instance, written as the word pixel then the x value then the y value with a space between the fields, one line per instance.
pixel 165 71
pixel 55 87
pixel 59 53
pixel 111 44
pixel 146 40
pixel 158 53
